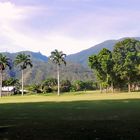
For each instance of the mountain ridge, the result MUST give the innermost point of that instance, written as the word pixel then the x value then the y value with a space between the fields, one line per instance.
pixel 43 68
pixel 82 56
pixel 34 55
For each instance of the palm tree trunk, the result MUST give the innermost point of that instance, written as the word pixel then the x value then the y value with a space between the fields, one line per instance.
pixel 0 83
pixel 22 81
pixel 58 80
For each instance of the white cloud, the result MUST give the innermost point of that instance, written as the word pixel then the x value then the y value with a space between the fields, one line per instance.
pixel 28 40
pixel 10 17
pixel 103 24
pixel 45 43
pixel 67 44
pixel 71 33
pixel 8 11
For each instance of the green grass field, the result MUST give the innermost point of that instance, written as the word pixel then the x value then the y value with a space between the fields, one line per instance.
pixel 89 116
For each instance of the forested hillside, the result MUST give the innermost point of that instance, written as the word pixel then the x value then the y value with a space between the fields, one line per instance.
pixel 43 68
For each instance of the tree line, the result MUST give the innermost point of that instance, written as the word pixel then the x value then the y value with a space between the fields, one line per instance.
pixel 113 69
pixel 118 68
pixel 22 61
pixel 50 85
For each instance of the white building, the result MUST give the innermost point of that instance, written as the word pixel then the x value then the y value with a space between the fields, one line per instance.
pixel 8 89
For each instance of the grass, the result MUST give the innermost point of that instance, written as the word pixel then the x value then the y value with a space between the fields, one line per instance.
pixel 91 116
pixel 66 97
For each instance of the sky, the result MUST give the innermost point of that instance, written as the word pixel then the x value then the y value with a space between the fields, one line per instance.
pixel 67 25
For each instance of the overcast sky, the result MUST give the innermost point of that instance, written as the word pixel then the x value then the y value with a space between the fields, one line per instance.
pixel 67 25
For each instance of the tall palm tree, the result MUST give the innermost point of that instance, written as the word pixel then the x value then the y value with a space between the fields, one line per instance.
pixel 4 62
pixel 23 61
pixel 58 57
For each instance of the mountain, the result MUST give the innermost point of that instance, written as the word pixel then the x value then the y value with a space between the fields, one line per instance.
pixel 71 71
pixel 43 68
pixel 82 57
pixel 35 56
pixel 76 68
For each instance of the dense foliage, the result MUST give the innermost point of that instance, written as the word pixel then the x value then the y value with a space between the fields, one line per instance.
pixel 50 86
pixel 120 67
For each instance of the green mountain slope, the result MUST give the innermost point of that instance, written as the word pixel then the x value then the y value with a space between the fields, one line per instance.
pixel 43 68
pixel 82 57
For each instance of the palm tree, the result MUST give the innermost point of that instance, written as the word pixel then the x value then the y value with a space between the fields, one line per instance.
pixel 23 61
pixel 4 62
pixel 58 57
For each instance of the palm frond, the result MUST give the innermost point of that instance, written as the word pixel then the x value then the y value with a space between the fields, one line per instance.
pixel 5 62
pixel 58 57
pixel 22 60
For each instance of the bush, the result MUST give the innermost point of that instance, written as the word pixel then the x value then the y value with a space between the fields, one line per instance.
pixel 83 85
pixel 34 88
pixel 65 86
pixel 49 85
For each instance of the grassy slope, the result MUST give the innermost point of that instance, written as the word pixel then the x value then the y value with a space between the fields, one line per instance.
pixel 80 117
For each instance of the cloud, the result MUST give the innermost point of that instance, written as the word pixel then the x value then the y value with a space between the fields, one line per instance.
pixel 11 14
pixel 104 23
pixel 12 24
pixel 15 38
pixel 65 43
pixel 68 27
pixel 44 43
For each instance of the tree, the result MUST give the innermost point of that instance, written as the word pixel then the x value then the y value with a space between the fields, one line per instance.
pixel 58 57
pixel 4 62
pixel 94 64
pixel 126 57
pixel 23 61
pixel 65 85
pixel 79 85
pixel 36 88
pixel 49 85
pixel 10 82
pixel 107 63
pixel 102 64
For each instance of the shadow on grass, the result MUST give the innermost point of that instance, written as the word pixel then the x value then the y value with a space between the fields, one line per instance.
pixel 4 129
pixel 89 120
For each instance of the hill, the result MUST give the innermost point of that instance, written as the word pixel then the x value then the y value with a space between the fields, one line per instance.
pixel 43 68
pixel 82 57
pixel 35 56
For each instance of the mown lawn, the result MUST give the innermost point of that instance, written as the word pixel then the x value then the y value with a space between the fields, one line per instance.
pixel 88 116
